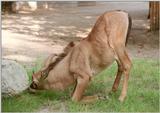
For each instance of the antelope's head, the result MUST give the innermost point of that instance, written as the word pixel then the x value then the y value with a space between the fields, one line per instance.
pixel 39 79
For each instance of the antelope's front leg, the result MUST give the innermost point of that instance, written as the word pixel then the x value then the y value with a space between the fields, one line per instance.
pixel 82 83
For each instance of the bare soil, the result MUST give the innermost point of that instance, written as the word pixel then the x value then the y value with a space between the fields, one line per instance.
pixel 29 35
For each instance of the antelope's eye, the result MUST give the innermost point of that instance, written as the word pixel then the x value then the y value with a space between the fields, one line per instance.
pixel 43 74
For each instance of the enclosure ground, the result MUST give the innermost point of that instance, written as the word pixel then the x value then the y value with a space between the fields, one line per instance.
pixel 142 96
pixel 29 36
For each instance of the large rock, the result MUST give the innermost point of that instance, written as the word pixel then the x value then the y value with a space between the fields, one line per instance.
pixel 14 78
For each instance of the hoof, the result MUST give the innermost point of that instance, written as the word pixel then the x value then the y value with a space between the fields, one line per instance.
pixel 114 90
pixel 121 99
pixel 75 99
pixel 111 92
pixel 103 97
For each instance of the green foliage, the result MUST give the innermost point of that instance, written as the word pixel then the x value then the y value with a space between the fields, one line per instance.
pixel 142 96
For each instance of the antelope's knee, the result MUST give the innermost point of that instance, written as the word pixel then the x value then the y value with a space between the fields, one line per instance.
pixel 83 80
pixel 127 67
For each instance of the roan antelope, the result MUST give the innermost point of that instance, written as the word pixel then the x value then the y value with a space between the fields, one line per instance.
pixel 80 62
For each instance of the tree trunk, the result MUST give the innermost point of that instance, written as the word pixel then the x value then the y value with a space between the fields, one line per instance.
pixel 154 15
pixel 7 6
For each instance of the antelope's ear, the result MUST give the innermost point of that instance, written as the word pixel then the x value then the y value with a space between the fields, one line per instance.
pixel 71 44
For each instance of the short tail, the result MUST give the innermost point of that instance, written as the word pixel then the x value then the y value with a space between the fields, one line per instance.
pixel 129 28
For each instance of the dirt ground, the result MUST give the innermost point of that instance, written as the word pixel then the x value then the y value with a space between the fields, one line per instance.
pixel 29 35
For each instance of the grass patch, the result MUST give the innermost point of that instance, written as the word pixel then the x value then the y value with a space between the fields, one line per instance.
pixel 143 92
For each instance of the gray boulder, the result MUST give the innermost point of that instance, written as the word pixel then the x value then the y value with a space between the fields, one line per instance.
pixel 14 78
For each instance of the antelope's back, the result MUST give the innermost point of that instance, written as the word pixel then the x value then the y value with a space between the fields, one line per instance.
pixel 113 24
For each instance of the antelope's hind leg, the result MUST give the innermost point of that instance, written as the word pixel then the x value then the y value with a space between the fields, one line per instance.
pixel 118 77
pixel 125 62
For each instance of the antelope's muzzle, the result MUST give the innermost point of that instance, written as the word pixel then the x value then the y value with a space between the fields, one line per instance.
pixel 32 88
pixel 33 85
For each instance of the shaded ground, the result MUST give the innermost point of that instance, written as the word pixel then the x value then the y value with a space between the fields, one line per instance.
pixel 28 35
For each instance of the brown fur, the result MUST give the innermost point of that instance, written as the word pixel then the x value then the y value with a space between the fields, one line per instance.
pixel 104 45
pixel 50 66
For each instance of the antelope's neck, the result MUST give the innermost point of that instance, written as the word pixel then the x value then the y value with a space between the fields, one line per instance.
pixel 60 77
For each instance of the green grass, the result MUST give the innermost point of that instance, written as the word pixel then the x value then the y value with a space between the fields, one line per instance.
pixel 143 92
